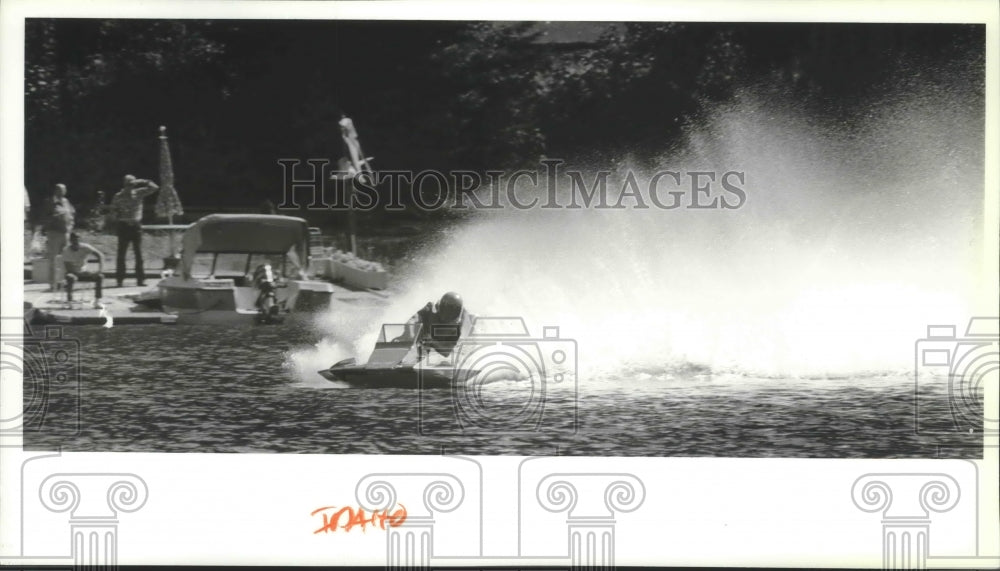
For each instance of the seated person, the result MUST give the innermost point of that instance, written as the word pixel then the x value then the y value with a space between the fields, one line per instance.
pixel 441 328
pixel 75 257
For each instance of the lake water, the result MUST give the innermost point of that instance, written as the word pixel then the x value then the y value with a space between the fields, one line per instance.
pixel 210 389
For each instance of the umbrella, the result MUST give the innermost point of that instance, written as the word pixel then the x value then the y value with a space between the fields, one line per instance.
pixel 168 204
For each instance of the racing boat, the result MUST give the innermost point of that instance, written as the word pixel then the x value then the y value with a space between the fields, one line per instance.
pixel 385 368
pixel 244 267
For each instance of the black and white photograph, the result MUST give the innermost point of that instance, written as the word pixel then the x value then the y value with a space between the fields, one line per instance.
pixel 729 233
pixel 605 238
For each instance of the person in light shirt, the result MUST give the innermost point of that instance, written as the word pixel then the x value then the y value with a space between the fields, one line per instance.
pixel 57 222
pixel 75 257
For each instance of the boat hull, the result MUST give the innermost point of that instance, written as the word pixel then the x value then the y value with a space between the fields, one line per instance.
pixel 398 377
pixel 222 301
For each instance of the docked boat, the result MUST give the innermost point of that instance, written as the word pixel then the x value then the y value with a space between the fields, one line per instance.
pixel 244 267
pixel 386 369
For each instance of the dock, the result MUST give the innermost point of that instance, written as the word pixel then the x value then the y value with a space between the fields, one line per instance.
pixel 52 306
pixel 120 305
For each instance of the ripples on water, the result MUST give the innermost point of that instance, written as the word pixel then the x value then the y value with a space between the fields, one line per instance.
pixel 207 389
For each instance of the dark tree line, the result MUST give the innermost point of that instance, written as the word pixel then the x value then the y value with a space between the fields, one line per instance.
pixel 237 96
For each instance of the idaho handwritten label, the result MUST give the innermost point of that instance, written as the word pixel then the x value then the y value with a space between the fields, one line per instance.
pixel 347 518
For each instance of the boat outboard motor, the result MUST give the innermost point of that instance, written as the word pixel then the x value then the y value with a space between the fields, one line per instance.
pixel 267 300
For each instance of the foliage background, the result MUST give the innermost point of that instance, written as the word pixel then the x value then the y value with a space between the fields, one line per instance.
pixel 238 95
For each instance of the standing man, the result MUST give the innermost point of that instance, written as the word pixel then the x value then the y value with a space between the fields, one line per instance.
pixel 57 222
pixel 127 207
pixel 75 258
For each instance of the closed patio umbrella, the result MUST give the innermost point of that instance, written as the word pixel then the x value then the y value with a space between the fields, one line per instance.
pixel 168 204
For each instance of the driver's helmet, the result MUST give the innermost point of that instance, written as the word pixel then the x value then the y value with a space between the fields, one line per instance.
pixel 449 308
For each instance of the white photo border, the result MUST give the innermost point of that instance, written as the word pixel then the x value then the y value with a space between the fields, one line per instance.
pixel 255 509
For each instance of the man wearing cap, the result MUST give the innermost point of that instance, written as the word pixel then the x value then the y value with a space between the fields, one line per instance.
pixel 127 208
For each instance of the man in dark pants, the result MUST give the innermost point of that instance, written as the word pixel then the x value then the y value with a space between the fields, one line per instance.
pixel 127 206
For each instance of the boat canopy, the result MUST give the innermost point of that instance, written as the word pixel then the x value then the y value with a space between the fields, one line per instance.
pixel 245 234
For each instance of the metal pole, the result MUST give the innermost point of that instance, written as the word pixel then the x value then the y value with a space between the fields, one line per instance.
pixel 170 232
pixel 352 223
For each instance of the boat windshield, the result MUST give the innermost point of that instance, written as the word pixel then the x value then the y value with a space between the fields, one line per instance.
pixel 499 326
pixel 229 265
pixel 202 265
pixel 399 333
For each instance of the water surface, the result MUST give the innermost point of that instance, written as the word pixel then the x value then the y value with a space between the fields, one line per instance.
pixel 210 389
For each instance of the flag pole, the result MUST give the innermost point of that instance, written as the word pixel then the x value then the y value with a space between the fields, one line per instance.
pixel 352 221
pixel 360 164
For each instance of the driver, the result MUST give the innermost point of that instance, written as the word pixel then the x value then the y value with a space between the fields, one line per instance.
pixel 441 327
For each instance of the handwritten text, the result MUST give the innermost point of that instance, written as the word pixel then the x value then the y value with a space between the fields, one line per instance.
pixel 347 518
